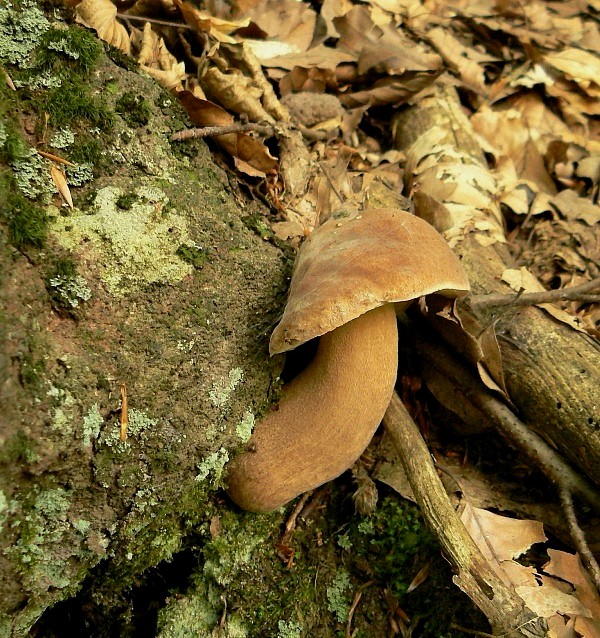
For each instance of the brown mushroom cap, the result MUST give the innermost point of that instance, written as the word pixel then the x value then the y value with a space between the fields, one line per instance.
pixel 360 262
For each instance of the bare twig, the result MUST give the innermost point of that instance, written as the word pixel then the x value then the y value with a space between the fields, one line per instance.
pixel 573 293
pixel 290 524
pixel 162 23
pixel 578 537
pixel 213 131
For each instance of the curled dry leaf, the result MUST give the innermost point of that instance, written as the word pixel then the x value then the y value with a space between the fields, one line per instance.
pixel 202 21
pixel 157 61
pixel 101 15
pixel 254 155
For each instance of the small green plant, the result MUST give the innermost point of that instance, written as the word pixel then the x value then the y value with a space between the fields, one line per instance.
pixel 338 600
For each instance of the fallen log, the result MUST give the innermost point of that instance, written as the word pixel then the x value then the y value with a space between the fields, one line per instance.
pixel 552 372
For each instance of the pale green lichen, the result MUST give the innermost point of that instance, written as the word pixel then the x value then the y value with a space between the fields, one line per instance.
pixel 222 390
pixel 41 80
pixel 3 509
pixel 80 174
pixel 20 31
pixel 133 246
pixel 245 427
pixel 92 422
pixel 71 290
pixel 337 599
pixel 233 550
pixel 62 410
pixel 82 526
pixel 213 465
pixel 64 46
pixel 138 426
pixel 3 134
pixel 44 524
pixel 289 629
pixel 199 616
pixel 32 175
pixel 63 138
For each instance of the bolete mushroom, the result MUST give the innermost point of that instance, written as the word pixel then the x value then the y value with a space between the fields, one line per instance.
pixel 351 276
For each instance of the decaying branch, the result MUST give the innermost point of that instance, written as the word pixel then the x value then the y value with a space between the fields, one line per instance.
pixel 501 605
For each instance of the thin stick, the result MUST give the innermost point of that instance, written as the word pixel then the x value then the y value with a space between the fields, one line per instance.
pixel 213 131
pixel 437 360
pixel 578 537
pixel 162 23
pixel 573 293
pixel 124 414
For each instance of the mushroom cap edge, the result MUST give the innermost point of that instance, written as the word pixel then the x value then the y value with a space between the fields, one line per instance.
pixel 352 265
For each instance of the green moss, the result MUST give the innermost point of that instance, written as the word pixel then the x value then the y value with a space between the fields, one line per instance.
pixel 74 102
pixel 126 201
pixel 32 369
pixel 19 449
pixel 121 59
pixel 134 109
pixel 194 255
pixel 85 150
pixel 65 51
pixel 27 221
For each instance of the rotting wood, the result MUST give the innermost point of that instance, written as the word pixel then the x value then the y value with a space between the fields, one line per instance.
pixel 552 372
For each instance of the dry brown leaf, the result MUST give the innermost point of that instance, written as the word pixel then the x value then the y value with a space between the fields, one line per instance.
pixel 59 179
pixel 578 65
pixel 381 49
pixel 255 158
pixel 202 21
pixel 285 20
pixel 501 540
pixel 569 567
pixel 419 579
pixel 522 279
pixel 459 58
pixel 321 57
pixel 571 206
pixel 101 15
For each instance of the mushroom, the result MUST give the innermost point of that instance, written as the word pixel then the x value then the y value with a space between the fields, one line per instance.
pixel 351 276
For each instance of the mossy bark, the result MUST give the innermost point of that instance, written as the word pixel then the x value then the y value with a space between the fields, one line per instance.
pixel 187 337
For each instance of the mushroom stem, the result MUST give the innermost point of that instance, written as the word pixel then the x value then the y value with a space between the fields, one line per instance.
pixel 326 418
